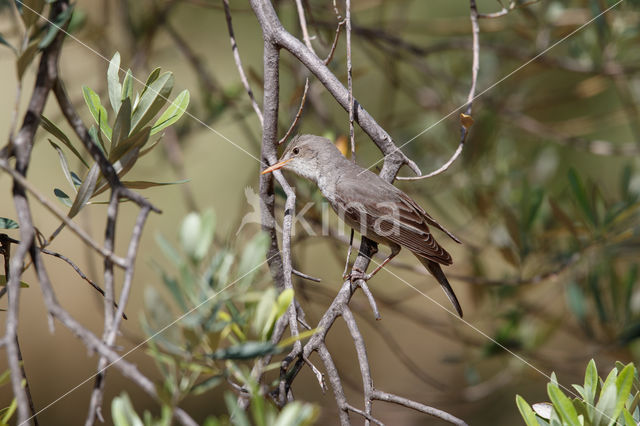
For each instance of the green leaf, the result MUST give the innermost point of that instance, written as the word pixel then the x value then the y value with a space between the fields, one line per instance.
pixel 152 100
pixel 581 197
pixel 6 223
pixel 98 112
pixel 63 197
pixel 85 192
pixel 246 350
pixel 10 410
pixel 123 413
pixel 628 418
pixel 122 126
pixel 97 139
pixel 590 386
pixel 623 386
pixel 607 402
pixel 129 144
pixel 63 164
pixel 143 184
pixel 3 282
pixel 25 58
pixel 127 86
pixel 173 113
pixel 237 416
pixel 55 131
pixel 262 319
pixel 54 27
pixel 563 405
pixel 297 413
pixel 576 300
pixel 526 412
pixel 113 83
pixel 207 385
pixel 196 234
pixel 252 256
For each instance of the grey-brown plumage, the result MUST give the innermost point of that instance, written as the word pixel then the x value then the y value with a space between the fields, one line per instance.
pixel 369 204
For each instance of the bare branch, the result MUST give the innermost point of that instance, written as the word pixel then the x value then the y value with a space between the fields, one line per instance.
pixel 466 120
pixel 298 114
pixel 395 399
pixel 61 215
pixel 238 61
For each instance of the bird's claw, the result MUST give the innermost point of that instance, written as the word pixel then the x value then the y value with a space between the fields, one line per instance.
pixel 356 274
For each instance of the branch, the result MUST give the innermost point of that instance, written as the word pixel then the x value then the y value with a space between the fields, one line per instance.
pixel 22 147
pixel 395 399
pixel 238 61
pixel 466 120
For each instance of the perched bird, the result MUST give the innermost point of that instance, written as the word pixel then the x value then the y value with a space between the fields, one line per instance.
pixel 369 204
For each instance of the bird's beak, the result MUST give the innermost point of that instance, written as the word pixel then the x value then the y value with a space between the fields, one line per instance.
pixel 276 166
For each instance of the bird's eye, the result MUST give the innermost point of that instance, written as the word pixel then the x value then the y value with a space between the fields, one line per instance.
pixel 296 151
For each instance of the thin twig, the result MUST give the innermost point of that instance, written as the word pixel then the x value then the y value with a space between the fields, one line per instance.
pixel 335 43
pixel 395 399
pixel 238 61
pixel 305 276
pixel 303 25
pixel 62 216
pixel 505 10
pixel 350 81
pixel 466 119
pixel 298 114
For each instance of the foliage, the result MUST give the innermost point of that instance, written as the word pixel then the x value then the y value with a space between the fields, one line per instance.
pixel 127 140
pixel 214 322
pixel 599 403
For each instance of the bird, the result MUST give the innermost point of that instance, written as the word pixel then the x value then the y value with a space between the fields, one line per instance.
pixel 369 204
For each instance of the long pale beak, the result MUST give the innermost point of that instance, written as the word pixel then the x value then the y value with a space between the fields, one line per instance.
pixel 276 166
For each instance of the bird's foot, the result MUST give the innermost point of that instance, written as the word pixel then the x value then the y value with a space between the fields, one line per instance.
pixel 357 274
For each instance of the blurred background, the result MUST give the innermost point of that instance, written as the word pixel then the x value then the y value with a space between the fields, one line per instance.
pixel 544 197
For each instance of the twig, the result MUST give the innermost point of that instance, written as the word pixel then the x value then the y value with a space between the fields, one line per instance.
pixel 22 147
pixel 350 80
pixel 363 361
pixel 305 276
pixel 466 121
pixel 79 272
pixel 238 61
pixel 303 25
pixel 395 399
pixel 92 342
pixel 505 10
pixel 60 215
pixel 298 114
pixel 335 43
pixel 365 415
pixel 5 246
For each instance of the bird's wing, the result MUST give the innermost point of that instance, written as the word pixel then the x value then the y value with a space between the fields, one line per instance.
pixel 395 217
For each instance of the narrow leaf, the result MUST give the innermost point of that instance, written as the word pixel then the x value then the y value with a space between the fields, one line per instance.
pixel 127 86
pixel 122 126
pixel 173 113
pixel 3 282
pixel 563 405
pixel 6 223
pixel 25 59
pixel 98 112
pixel 152 100
pixel 85 191
pixel 113 82
pixel 63 197
pixel 63 164
pixel 50 127
pixel 54 26
pixel 143 184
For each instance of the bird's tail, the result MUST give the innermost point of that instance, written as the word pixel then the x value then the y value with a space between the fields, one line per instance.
pixel 436 271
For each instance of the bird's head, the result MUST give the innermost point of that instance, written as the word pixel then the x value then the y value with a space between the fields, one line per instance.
pixel 308 156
